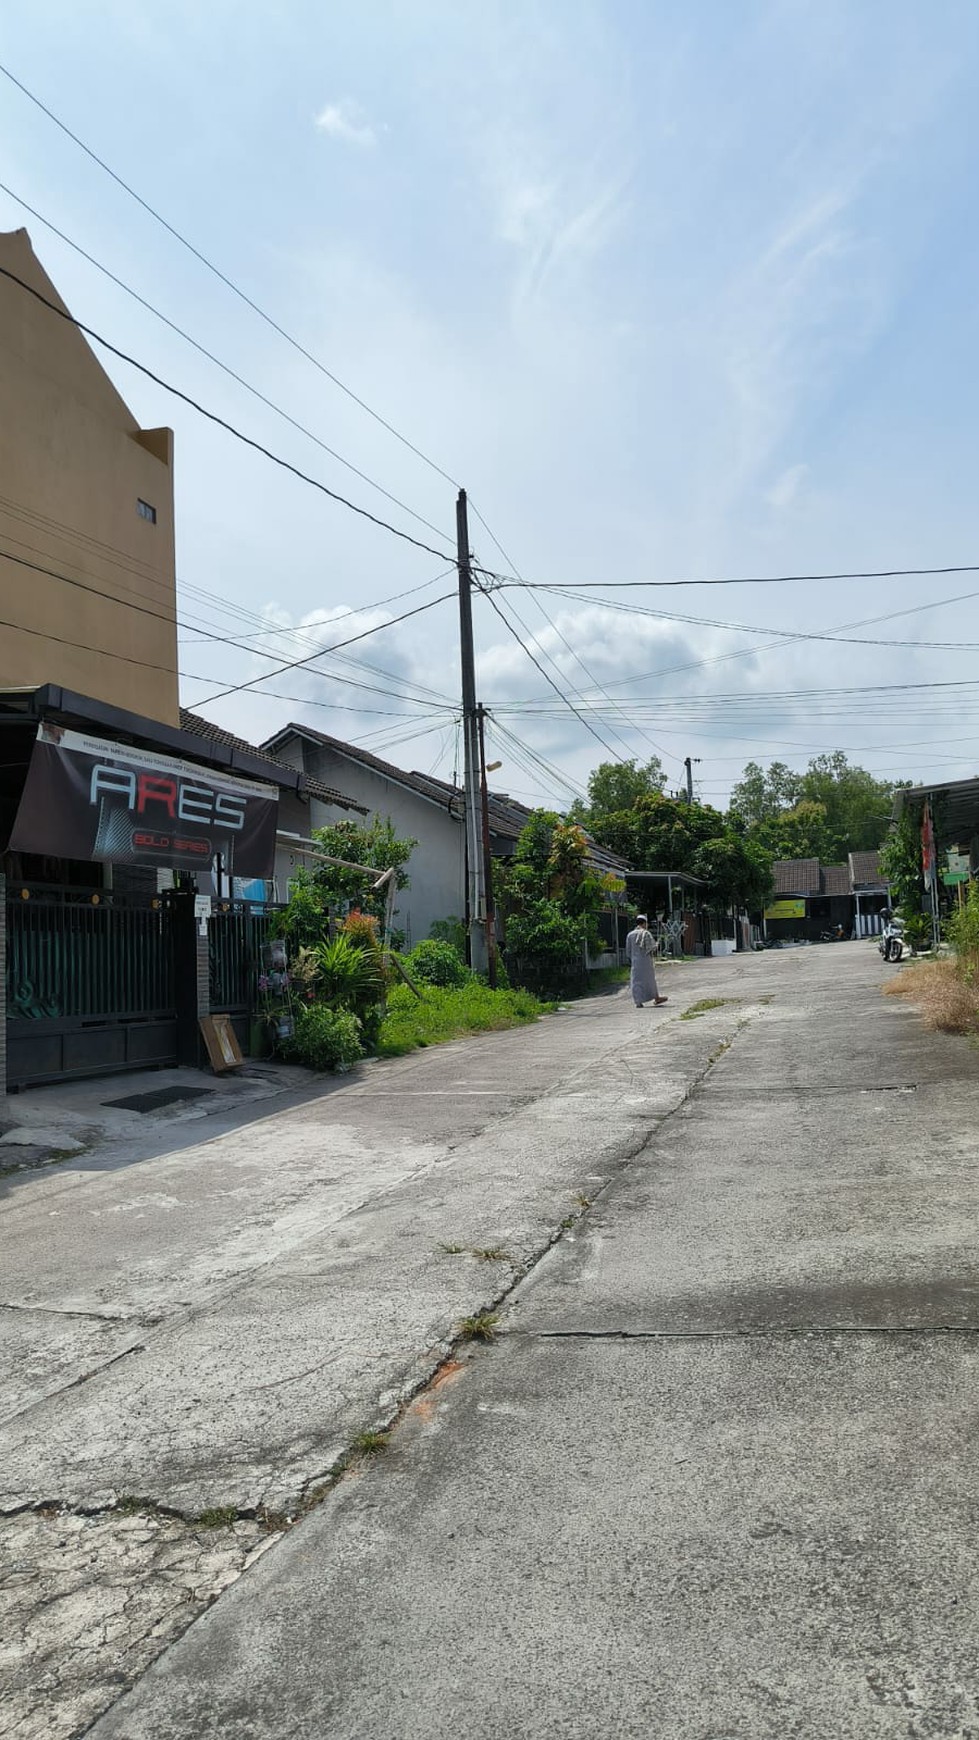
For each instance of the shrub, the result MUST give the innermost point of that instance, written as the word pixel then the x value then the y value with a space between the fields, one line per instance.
pixel 324 1038
pixel 450 930
pixel 962 930
pixel 362 929
pixel 348 977
pixel 437 963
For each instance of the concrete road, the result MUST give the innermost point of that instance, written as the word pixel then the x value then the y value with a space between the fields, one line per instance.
pixel 716 1477
pixel 198 1320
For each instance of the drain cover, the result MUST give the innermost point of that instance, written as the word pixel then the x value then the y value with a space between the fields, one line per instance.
pixel 157 1097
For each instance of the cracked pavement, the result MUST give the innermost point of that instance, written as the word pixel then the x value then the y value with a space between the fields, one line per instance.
pixel 714 1477
pixel 207 1322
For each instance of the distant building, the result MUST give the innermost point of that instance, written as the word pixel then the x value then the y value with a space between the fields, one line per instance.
pixel 810 898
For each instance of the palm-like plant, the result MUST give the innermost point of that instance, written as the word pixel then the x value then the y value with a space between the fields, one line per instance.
pixel 348 977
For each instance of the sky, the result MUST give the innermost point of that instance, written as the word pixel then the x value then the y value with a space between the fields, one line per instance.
pixel 677 291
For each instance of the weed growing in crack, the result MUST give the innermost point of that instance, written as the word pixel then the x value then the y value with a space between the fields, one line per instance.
pixel 491 1253
pixel 452 1250
pixel 583 1201
pixel 567 1222
pixel 218 1516
pixel 371 1443
pixel 482 1327
pixel 704 1007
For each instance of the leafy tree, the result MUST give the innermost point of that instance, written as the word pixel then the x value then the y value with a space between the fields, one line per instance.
pixel 659 833
pixel 826 812
pixel 801 832
pixel 760 796
pixel 617 785
pixel 551 897
pixel 858 806
pixel 900 862
pixel 737 871
pixel 314 891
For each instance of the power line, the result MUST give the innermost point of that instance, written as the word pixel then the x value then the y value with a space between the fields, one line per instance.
pixel 171 620
pixel 548 679
pixel 294 664
pixel 224 367
pixel 224 279
pixel 221 422
pixel 508 580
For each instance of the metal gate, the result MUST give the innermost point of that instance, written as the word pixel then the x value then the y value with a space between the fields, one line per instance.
pixel 236 934
pixel 90 985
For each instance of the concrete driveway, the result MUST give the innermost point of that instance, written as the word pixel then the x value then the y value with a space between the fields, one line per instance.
pixel 715 1476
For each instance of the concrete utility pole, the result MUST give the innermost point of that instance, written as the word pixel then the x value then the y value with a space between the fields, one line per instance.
pixel 688 764
pixel 475 860
pixel 487 852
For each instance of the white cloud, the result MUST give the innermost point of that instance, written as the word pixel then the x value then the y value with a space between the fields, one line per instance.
pixel 348 122
pixel 785 490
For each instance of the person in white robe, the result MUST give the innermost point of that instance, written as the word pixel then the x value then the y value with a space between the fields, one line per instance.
pixel 640 950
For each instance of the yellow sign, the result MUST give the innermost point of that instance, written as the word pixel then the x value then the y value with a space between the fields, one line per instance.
pixel 786 909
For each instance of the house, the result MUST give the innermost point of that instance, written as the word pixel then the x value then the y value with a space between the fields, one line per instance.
pixel 120 817
pixel 86 513
pixel 427 810
pixel 810 898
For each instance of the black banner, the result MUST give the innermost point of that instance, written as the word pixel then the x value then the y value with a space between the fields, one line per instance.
pixel 87 798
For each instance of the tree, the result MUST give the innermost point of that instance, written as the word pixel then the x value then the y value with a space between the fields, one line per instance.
pixel 801 832
pixel 826 812
pixel 738 872
pixel 617 785
pixel 551 898
pixel 314 891
pixel 659 833
pixel 858 806
pixel 760 796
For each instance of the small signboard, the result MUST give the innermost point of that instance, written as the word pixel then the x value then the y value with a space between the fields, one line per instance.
pixel 786 909
pixel 222 1044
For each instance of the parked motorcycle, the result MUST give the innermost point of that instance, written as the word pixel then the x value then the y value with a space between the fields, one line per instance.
pixel 891 942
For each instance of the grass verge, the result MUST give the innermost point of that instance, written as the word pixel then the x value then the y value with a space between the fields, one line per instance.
pixel 945 999
pixel 448 1013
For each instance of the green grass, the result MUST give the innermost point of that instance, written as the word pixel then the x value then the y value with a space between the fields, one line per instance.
pixel 450 1013
pixel 704 1007
pixel 482 1327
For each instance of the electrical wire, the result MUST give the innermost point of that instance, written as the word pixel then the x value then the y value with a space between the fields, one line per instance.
pixel 548 679
pixel 509 580
pixel 224 279
pixel 295 664
pixel 223 366
pixel 222 422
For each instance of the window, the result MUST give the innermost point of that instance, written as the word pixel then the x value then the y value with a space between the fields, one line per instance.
pixel 145 511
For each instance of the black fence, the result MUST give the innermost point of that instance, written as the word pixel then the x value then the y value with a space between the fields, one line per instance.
pixel 90 984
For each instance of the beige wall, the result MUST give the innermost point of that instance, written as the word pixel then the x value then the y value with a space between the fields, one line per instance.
pixel 73 464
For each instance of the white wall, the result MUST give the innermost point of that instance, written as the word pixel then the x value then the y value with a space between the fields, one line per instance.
pixel 437 865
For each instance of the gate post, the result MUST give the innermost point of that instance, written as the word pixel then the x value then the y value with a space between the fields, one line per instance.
pixel 191 977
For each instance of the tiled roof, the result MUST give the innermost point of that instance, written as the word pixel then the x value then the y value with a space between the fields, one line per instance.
pixel 865 870
pixel 796 876
pixel 315 788
pixel 836 879
pixel 508 818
